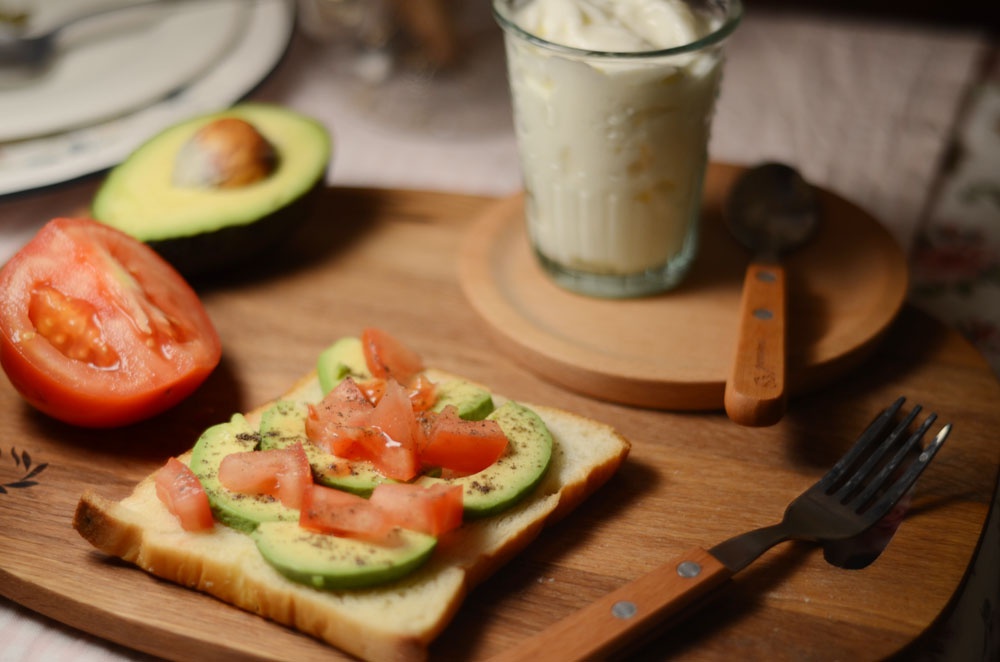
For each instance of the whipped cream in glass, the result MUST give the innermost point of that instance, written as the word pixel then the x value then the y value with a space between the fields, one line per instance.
pixel 613 102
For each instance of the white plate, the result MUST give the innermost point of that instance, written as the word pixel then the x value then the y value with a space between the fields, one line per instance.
pixel 259 45
pixel 117 63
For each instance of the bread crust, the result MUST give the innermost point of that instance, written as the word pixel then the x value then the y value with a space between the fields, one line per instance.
pixel 394 622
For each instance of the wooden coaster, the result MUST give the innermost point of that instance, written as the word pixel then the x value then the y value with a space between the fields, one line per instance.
pixel 674 350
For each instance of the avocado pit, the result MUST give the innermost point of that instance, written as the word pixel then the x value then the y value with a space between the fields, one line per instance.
pixel 226 153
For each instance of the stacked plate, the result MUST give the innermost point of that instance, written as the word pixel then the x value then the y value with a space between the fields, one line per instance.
pixel 118 79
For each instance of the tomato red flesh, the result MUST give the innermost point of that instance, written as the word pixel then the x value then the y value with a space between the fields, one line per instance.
pixel 400 434
pixel 395 454
pixel 97 330
pixel 434 510
pixel 183 495
pixel 347 425
pixel 328 510
pixel 281 472
pixel 71 326
pixel 387 357
pixel 422 392
pixel 461 446
pixel 340 420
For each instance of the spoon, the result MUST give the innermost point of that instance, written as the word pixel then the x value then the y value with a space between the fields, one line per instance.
pixel 770 210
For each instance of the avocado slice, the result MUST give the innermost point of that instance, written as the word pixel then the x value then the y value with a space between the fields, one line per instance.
pixel 516 473
pixel 332 562
pixel 345 357
pixel 202 223
pixel 283 424
pixel 239 511
pixel 472 402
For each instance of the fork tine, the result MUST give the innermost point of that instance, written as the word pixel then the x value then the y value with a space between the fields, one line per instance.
pixel 885 503
pixel 870 436
pixel 861 473
pixel 884 475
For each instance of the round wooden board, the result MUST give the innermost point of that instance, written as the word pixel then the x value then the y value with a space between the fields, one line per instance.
pixel 673 351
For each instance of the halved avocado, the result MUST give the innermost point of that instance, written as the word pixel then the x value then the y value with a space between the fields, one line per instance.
pixel 167 194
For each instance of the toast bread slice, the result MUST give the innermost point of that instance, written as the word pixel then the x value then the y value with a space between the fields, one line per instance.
pixel 393 622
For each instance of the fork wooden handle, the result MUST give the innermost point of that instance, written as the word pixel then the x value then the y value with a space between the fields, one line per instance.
pixel 628 613
pixel 755 390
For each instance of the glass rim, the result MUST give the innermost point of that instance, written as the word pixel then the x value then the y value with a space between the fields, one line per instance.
pixel 732 19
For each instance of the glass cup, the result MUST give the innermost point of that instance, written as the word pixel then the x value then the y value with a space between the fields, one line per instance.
pixel 613 149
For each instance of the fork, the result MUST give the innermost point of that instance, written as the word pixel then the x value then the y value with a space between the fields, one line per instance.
pixel 32 51
pixel 857 492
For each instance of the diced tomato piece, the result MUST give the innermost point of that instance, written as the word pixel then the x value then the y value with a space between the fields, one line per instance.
pixel 395 453
pixel 348 426
pixel 373 388
pixel 465 447
pixel 434 510
pixel 388 357
pixel 282 472
pixel 328 510
pixel 183 495
pixel 422 392
pixel 340 420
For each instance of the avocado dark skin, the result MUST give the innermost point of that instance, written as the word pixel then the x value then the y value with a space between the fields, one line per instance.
pixel 203 256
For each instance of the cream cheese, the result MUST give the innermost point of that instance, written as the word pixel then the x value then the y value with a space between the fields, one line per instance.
pixel 613 149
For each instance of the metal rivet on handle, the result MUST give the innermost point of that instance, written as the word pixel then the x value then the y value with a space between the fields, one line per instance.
pixel 688 569
pixel 763 314
pixel 623 609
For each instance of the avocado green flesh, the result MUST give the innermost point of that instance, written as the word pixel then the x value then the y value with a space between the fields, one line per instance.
pixel 344 358
pixel 472 402
pixel 239 511
pixel 516 473
pixel 283 425
pixel 331 562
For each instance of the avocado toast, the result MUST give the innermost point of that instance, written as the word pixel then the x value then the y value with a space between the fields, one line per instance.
pixel 405 596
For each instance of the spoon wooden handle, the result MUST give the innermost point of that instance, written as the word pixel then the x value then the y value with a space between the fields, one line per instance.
pixel 755 392
pixel 627 614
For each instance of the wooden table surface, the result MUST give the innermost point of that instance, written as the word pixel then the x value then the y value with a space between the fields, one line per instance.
pixel 692 479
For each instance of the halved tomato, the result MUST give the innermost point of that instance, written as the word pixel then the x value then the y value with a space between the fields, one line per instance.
pixel 97 330
pixel 434 509
pixel 183 495
pixel 280 472
pixel 388 357
pixel 461 446
pixel 328 510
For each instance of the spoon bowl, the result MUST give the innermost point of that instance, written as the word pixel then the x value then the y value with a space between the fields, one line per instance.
pixel 770 210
